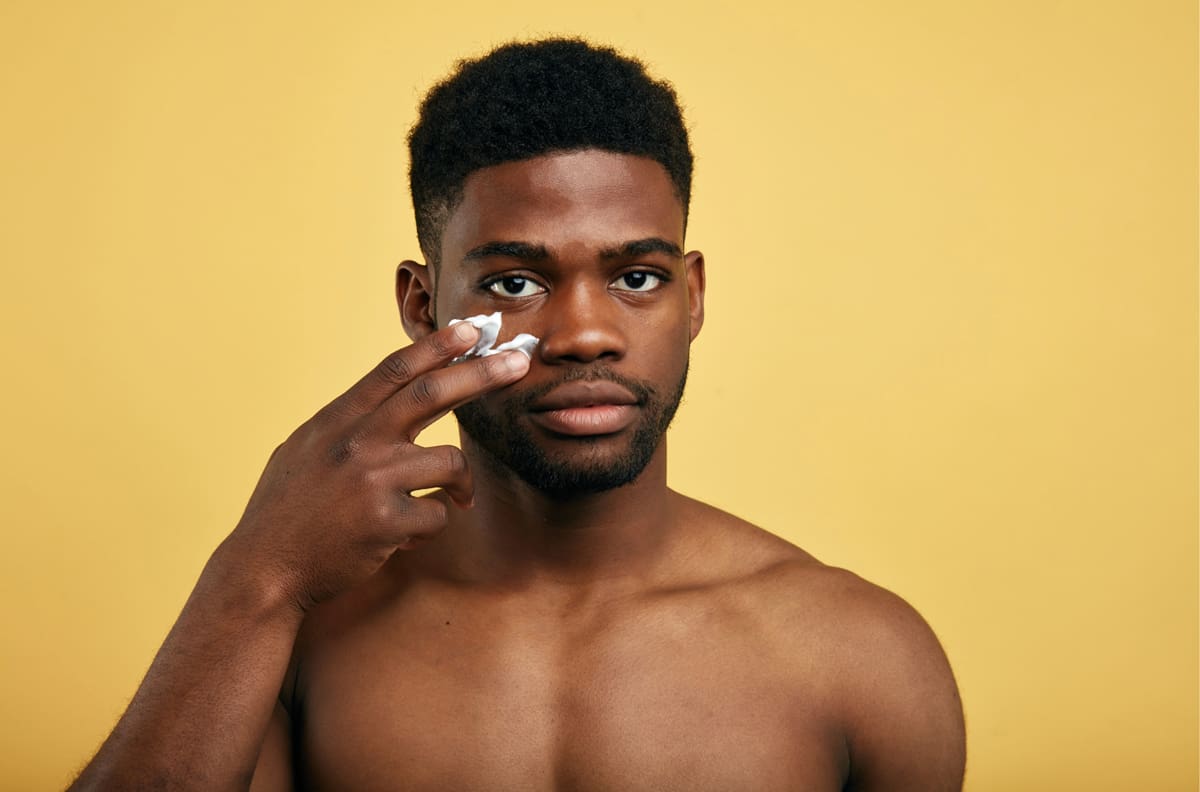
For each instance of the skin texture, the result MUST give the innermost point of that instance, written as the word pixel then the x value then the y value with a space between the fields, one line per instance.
pixel 631 638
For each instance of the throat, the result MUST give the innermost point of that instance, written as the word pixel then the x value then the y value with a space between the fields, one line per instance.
pixel 514 535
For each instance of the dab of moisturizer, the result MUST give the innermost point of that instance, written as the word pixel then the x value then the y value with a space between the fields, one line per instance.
pixel 488 326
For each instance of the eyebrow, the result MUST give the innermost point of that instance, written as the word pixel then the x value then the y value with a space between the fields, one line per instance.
pixel 518 250
pixel 526 251
pixel 641 247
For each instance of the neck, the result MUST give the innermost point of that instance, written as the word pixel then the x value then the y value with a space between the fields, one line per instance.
pixel 516 535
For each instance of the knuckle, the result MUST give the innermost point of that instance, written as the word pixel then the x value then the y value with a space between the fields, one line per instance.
pixel 342 450
pixel 495 369
pixel 382 509
pixel 401 513
pixel 376 479
pixel 428 515
pixel 452 460
pixel 382 513
pixel 397 367
pixel 424 392
pixel 440 345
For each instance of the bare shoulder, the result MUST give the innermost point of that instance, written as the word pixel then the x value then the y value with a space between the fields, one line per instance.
pixel 894 691
pixel 793 589
pixel 890 687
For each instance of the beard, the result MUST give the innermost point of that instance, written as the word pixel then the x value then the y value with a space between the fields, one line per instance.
pixel 592 465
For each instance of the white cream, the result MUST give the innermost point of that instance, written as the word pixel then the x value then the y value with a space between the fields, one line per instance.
pixel 489 330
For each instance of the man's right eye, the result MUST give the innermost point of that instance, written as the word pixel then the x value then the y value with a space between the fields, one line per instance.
pixel 513 286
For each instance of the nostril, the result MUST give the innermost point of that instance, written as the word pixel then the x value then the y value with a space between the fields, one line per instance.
pixel 582 347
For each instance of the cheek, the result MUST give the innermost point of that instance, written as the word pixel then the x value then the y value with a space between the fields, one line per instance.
pixel 453 299
pixel 666 343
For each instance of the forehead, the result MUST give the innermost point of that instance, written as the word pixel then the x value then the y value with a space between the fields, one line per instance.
pixel 592 199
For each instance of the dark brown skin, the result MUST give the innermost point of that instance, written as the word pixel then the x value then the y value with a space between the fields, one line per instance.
pixel 632 639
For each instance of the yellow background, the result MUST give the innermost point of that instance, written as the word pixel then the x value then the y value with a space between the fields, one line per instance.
pixel 951 338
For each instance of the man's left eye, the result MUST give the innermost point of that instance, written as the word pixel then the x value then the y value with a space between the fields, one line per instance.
pixel 637 281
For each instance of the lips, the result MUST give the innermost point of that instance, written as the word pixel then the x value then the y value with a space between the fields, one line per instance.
pixel 584 394
pixel 584 409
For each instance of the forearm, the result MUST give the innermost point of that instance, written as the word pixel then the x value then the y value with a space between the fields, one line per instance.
pixel 332 505
pixel 198 718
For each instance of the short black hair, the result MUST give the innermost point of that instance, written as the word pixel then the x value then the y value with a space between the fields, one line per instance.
pixel 526 99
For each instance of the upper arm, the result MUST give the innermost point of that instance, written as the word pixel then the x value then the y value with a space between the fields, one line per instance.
pixel 904 719
pixel 273 773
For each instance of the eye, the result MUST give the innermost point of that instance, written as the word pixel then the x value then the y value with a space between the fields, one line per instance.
pixel 513 286
pixel 638 281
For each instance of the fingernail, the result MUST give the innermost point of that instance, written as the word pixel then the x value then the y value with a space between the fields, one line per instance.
pixel 465 331
pixel 516 361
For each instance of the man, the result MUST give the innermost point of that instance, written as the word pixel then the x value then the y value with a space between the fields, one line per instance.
pixel 553 617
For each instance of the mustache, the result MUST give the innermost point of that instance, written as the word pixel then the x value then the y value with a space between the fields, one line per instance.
pixel 642 392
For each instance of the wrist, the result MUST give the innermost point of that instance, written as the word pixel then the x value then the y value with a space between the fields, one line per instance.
pixel 250 589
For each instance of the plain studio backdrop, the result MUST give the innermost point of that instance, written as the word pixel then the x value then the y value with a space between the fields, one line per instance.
pixel 951 338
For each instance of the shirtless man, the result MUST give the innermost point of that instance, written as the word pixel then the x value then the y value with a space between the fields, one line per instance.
pixel 553 617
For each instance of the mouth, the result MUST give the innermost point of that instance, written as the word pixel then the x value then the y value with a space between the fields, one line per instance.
pixel 595 419
pixel 585 409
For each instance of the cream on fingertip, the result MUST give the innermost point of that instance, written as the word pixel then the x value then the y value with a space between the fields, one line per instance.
pixel 488 326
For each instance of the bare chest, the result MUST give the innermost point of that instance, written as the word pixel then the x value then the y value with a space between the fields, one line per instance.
pixel 658 699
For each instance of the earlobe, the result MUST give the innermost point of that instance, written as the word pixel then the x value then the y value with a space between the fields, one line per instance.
pixel 693 264
pixel 414 298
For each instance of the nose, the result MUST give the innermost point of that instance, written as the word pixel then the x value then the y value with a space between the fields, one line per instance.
pixel 583 324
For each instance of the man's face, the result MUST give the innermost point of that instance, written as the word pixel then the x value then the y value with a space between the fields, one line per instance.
pixel 583 250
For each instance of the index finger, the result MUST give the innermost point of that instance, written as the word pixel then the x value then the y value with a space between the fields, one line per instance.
pixel 403 366
pixel 406 413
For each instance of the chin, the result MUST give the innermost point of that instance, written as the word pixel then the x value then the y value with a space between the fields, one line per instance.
pixel 567 464
pixel 565 467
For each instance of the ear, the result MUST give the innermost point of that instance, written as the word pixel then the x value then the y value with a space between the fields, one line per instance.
pixel 414 298
pixel 693 264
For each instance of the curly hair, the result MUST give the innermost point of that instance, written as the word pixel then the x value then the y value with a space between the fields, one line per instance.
pixel 526 99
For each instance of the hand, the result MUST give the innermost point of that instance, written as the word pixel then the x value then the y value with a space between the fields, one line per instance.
pixel 334 501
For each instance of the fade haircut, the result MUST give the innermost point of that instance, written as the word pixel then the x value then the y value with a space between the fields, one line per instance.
pixel 526 99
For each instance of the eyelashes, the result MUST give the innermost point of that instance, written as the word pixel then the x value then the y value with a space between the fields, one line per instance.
pixel 640 281
pixel 521 286
pixel 513 286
